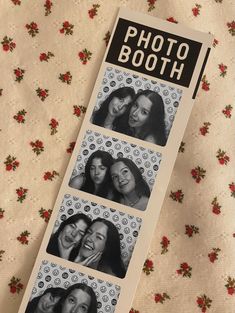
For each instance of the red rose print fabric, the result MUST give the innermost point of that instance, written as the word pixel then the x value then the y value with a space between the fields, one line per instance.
pixel 49 59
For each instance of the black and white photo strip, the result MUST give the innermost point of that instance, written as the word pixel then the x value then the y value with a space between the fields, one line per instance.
pixel 136 106
pixel 61 290
pixel 94 236
pixel 115 170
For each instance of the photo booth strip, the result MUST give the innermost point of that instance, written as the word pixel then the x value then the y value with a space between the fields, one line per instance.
pixel 127 225
pixel 154 50
pixel 51 275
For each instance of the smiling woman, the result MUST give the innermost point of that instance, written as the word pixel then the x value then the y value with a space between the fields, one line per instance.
pixel 78 298
pixel 146 118
pixel 68 236
pixel 100 248
pixel 131 188
pixel 46 302
pixel 112 109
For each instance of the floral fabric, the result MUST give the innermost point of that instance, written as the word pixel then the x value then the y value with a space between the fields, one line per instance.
pixel 50 53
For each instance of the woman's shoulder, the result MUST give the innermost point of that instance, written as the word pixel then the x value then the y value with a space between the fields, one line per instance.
pixel 77 181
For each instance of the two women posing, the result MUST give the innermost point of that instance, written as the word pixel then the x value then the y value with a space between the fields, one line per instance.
pixel 119 180
pixel 140 115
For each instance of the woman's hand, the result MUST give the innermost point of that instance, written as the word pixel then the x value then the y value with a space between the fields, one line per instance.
pixel 91 260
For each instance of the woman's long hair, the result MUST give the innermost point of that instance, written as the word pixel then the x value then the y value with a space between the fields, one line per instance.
pixel 83 287
pixel 53 247
pixel 141 186
pixel 111 256
pixel 55 292
pixel 106 185
pixel 155 123
pixel 101 114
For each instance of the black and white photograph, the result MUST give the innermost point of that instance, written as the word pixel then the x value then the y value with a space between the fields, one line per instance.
pixel 115 170
pixel 136 106
pixel 61 290
pixel 94 236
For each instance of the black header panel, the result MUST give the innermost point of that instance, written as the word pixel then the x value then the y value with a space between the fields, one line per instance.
pixel 153 52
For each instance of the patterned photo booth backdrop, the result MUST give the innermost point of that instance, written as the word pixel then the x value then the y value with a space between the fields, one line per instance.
pixel 114 79
pixel 52 275
pixel 128 226
pixel 147 160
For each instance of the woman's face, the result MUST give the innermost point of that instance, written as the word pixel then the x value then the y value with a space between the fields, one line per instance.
pixel 47 302
pixel 118 106
pixel 97 171
pixel 72 234
pixel 94 240
pixel 140 112
pixel 78 301
pixel 123 179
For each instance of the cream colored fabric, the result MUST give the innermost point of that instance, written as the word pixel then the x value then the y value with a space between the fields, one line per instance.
pixel 215 230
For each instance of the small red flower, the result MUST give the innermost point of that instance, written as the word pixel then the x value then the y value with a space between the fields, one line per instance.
pixel 11 163
pixel 16 2
pixel 37 146
pixel 148 266
pixel 8 44
pixel 204 302
pixel 230 286
pixel 93 11
pixel 77 110
pixel 23 238
pixel 182 147
pixel 45 214
pixel 45 56
pixel 42 93
pixel 205 128
pixel 232 189
pixel 1 213
pixel 151 5
pixel 67 28
pixel 71 147
pixel 84 56
pixel 133 311
pixel 32 29
pixel 198 173
pixel 19 74
pixel 227 111
pixel 222 157
pixel 215 206
pixel 47 5
pixel 21 193
pixel 214 254
pixel 185 270
pixel 161 297
pixel 190 230
pixel 15 285
pixel 196 9
pixel 215 43
pixel 53 125
pixel 231 27
pixel 177 196
pixel 1 254
pixel 205 83
pixel 66 78
pixel 223 69
pixel 107 37
pixel 165 244
pixel 172 20
pixel 50 175
pixel 20 116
